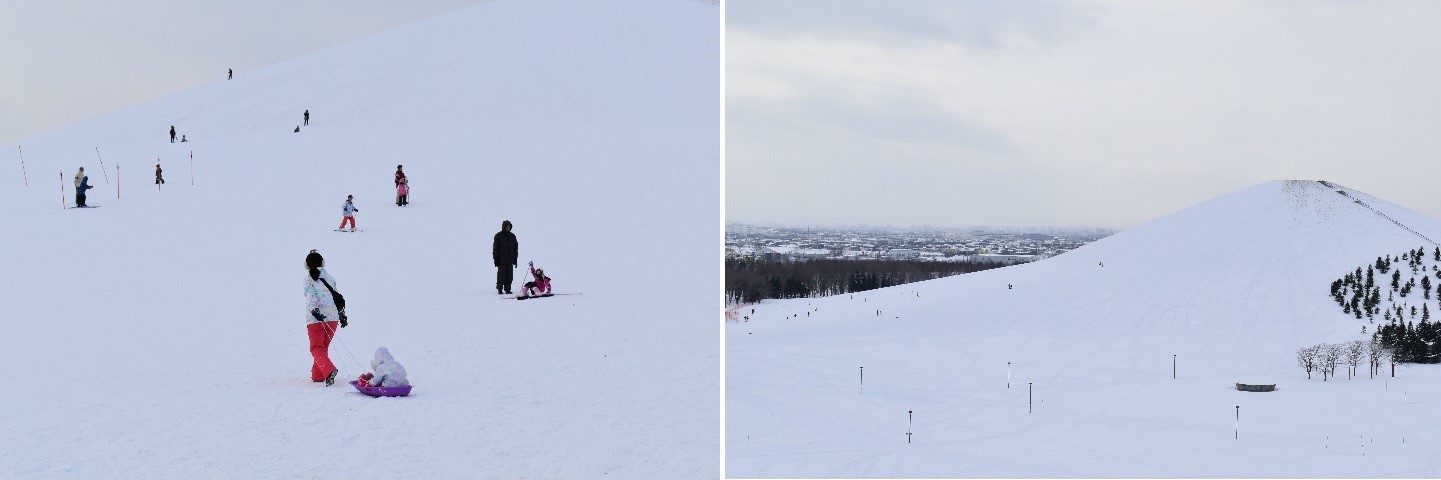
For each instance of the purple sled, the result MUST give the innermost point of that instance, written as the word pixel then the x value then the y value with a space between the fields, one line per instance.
pixel 381 391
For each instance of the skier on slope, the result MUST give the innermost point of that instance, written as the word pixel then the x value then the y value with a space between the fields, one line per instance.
pixel 322 318
pixel 82 183
pixel 540 285
pixel 349 211
pixel 172 134
pixel 388 372
pixel 159 180
pixel 505 251
pixel 307 118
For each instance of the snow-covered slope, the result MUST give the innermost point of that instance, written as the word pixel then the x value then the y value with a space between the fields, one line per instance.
pixel 1231 287
pixel 162 335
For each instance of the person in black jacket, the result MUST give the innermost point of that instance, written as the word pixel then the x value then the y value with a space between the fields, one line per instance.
pixel 505 252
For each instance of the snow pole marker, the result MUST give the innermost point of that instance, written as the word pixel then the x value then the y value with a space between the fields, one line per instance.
pixel 102 167
pixel 117 180
pixel 192 168
pixel 863 379
pixel 1029 405
pixel 1238 424
pixel 62 189
pixel 910 420
pixel 1173 367
pixel 22 168
pixel 1008 374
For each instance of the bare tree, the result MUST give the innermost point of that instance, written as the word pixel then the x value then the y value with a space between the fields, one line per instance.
pixel 1355 351
pixel 1306 358
pixel 1330 357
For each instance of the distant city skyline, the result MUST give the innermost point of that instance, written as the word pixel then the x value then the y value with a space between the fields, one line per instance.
pixel 1069 112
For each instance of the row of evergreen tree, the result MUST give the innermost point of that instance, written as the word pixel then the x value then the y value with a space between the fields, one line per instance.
pixel 749 281
pixel 1403 338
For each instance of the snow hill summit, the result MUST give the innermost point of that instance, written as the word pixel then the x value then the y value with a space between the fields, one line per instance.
pixel 1117 359
pixel 164 334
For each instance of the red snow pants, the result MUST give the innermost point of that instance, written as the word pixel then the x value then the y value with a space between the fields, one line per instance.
pixel 347 218
pixel 320 335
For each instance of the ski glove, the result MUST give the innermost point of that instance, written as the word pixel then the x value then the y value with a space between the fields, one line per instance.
pixel 315 312
pixel 343 323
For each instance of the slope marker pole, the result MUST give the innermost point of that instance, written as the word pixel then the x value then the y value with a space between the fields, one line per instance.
pixel 192 168
pixel 910 420
pixel 863 379
pixel 22 168
pixel 1008 374
pixel 1238 423
pixel 62 189
pixel 1029 405
pixel 1173 367
pixel 102 166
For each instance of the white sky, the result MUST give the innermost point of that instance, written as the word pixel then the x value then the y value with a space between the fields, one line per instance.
pixel 1076 113
pixel 65 61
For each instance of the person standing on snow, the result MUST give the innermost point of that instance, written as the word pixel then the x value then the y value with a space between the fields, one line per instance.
pixel 172 134
pixel 320 321
pixel 349 210
pixel 402 187
pixel 505 250
pixel 82 183
pixel 159 180
pixel 232 74
pixel 307 118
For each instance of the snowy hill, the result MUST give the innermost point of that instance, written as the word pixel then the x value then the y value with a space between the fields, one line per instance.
pixel 162 335
pixel 1231 287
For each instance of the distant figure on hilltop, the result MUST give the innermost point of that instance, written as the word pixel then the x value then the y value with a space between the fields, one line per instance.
pixel 297 129
pixel 402 187
pixel 82 183
pixel 307 118
pixel 182 139
pixel 505 251
pixel 232 75
pixel 159 180
pixel 172 134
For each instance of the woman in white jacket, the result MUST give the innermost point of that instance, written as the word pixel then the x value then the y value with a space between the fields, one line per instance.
pixel 321 318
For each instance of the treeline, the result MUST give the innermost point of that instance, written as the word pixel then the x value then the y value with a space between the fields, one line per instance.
pixel 1405 332
pixel 749 280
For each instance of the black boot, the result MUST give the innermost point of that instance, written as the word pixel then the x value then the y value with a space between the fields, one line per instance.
pixel 330 379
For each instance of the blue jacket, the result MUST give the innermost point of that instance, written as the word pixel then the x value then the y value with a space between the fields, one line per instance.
pixel 84 185
pixel 349 208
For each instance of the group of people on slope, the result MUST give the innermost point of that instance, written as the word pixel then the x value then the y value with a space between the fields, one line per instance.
pixel 402 190
pixel 325 308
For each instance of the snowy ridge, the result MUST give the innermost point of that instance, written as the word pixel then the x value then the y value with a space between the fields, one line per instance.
pixel 163 336
pixel 1231 287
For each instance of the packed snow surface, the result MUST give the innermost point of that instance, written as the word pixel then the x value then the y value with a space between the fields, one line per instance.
pixel 1226 290
pixel 163 334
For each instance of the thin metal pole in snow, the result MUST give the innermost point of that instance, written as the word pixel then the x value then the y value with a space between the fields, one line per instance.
pixel 910 420
pixel 62 189
pixel 192 168
pixel 863 379
pixel 102 167
pixel 1173 367
pixel 1028 398
pixel 117 180
pixel 27 174
pixel 1238 422
pixel 1008 374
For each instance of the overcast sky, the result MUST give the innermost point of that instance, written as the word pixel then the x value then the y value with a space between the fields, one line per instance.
pixel 65 61
pixel 1071 113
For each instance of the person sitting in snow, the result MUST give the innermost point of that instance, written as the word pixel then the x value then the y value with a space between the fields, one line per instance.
pixel 388 372
pixel 540 285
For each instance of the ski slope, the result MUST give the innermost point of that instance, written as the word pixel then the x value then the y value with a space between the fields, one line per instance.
pixel 1230 287
pixel 163 334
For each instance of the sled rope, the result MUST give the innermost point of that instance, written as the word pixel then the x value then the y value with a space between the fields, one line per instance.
pixel 342 345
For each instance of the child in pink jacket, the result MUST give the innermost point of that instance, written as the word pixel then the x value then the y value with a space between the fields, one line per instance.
pixel 540 285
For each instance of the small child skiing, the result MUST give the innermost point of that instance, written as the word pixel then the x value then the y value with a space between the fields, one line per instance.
pixel 540 285
pixel 402 189
pixel 388 372
pixel 349 210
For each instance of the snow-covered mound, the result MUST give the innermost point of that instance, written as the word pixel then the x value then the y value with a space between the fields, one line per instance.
pixel 1230 287
pixel 162 335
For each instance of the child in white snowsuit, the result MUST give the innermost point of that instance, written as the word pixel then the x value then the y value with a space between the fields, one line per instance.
pixel 388 372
